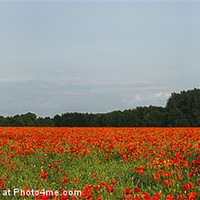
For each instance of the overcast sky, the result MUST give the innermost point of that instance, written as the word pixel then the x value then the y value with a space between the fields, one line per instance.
pixel 95 57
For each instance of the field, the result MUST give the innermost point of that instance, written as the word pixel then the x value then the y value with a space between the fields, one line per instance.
pixel 100 163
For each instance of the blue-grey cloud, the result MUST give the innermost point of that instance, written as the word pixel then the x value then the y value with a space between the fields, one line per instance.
pixel 88 57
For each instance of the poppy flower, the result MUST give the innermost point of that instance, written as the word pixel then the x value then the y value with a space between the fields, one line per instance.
pixel 43 175
pixel 127 191
pixel 166 183
pixel 94 175
pixel 137 189
pixel 170 197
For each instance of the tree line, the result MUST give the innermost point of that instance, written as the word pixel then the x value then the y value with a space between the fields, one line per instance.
pixel 181 110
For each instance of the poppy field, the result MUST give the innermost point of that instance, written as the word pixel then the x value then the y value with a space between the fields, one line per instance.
pixel 100 163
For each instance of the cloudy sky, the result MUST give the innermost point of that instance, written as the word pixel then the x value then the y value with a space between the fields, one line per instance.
pixel 94 56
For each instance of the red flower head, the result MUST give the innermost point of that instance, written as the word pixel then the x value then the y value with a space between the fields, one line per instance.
pixel 136 190
pixel 192 196
pixel 170 197
pixel 43 175
pixel 146 196
pixel 180 197
pixel 110 188
pixel 166 183
pixel 127 191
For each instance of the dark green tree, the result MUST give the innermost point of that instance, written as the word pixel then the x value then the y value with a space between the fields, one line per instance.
pixel 184 108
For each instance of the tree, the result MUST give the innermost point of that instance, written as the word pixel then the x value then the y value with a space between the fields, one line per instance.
pixel 184 108
pixel 3 121
pixel 155 117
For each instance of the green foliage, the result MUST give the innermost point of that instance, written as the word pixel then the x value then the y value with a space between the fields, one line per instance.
pixel 182 110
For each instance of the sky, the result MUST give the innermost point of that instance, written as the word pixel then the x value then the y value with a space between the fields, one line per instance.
pixel 95 56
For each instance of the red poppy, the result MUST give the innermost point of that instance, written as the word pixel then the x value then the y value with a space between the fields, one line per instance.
pixel 43 175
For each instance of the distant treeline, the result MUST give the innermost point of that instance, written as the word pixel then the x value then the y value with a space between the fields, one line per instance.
pixel 182 110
